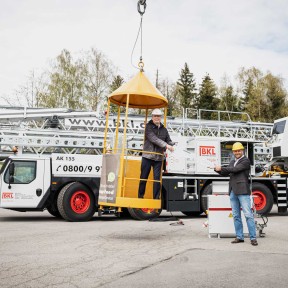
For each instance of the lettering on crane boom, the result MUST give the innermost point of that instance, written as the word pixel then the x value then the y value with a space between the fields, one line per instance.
pixel 207 150
pixel 112 123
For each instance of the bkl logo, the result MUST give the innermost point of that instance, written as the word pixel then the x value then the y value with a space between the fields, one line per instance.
pixel 207 151
pixel 7 195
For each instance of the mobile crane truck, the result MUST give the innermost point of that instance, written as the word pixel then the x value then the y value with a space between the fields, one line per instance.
pixel 67 185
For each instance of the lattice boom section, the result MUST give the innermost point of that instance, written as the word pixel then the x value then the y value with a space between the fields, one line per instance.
pixel 250 131
pixel 48 140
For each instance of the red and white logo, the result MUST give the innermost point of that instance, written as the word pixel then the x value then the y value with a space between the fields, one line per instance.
pixel 207 151
pixel 7 195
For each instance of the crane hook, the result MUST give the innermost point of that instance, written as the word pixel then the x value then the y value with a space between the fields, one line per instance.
pixel 143 3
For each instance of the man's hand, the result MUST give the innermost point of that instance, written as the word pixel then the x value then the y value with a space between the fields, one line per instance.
pixel 170 148
pixel 217 168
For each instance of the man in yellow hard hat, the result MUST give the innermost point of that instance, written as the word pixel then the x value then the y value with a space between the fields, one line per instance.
pixel 239 191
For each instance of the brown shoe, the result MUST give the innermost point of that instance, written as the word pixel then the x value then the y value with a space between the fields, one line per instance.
pixel 237 240
pixel 254 242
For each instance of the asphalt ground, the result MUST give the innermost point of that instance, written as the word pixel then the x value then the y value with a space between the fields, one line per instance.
pixel 38 250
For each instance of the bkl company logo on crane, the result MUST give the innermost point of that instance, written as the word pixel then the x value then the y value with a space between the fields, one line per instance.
pixel 7 195
pixel 207 150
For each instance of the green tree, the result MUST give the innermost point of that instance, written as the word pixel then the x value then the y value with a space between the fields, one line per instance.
pixel 187 89
pixel 229 101
pixel 171 91
pixel 157 80
pixel 275 96
pixel 247 90
pixel 77 84
pixel 116 83
pixel 66 84
pixel 252 89
pixel 264 95
pixel 99 74
pixel 207 97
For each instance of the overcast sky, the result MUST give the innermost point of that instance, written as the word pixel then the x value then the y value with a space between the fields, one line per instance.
pixel 214 36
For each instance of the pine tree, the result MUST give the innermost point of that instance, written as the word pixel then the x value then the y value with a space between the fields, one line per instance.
pixel 187 89
pixel 252 89
pixel 248 90
pixel 207 97
pixel 157 79
pixel 229 102
pixel 275 95
pixel 116 83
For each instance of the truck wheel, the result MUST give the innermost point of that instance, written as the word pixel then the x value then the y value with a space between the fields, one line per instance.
pixel 191 214
pixel 263 198
pixel 204 197
pixel 144 213
pixel 76 202
pixel 53 210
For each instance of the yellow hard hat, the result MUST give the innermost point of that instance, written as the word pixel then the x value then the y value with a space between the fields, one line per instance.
pixel 237 146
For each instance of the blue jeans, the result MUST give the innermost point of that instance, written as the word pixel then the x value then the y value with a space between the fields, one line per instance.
pixel 244 202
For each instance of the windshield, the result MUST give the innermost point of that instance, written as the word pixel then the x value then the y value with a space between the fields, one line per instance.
pixel 279 127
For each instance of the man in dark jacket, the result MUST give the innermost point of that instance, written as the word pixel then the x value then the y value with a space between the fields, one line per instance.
pixel 239 191
pixel 157 140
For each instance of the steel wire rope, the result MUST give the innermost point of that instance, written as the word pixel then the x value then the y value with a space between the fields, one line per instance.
pixel 141 12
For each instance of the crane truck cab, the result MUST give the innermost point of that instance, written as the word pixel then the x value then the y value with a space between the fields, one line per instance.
pixel 22 181
pixel 279 138
pixel 66 185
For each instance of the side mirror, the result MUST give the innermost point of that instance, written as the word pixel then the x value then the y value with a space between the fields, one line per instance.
pixel 12 169
pixel 11 174
pixel 11 179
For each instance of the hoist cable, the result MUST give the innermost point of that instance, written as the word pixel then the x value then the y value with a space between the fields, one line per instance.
pixel 140 29
pixel 141 40
pixel 140 5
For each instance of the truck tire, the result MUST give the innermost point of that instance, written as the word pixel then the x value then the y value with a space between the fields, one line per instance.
pixel 263 198
pixel 204 197
pixel 76 202
pixel 144 214
pixel 53 210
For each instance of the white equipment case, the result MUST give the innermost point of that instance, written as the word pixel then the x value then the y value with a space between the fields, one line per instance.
pixel 220 212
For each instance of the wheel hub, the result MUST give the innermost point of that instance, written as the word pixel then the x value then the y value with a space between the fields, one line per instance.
pixel 80 202
pixel 259 199
pixel 147 210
